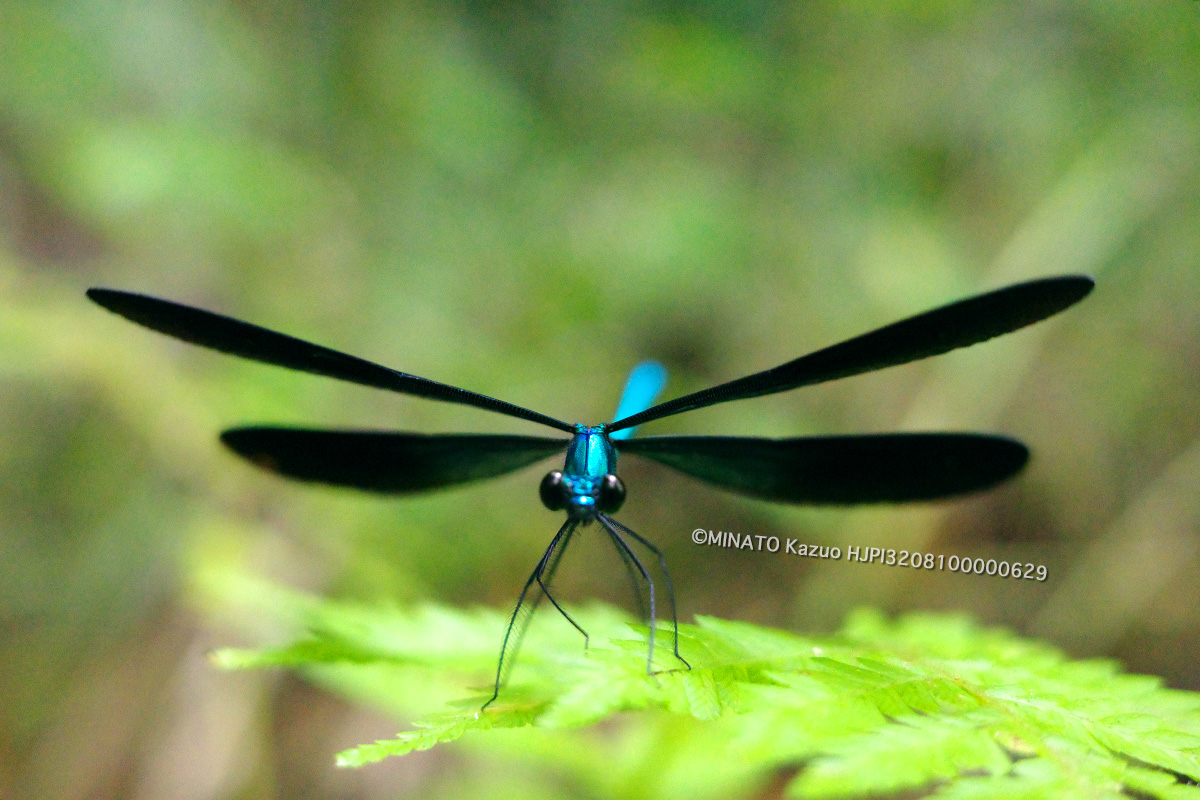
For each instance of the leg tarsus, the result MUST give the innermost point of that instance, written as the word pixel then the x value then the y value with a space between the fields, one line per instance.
pixel 546 591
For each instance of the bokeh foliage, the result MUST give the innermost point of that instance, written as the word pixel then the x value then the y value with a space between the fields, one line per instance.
pixel 525 199
pixel 927 704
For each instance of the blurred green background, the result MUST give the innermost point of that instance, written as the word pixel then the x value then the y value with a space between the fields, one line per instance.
pixel 524 199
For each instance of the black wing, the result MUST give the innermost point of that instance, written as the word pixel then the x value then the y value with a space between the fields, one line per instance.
pixel 966 322
pixel 843 470
pixel 260 344
pixel 385 461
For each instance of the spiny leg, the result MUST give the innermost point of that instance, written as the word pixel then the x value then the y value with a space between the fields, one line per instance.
pixel 547 576
pixel 511 644
pixel 633 579
pixel 616 537
pixel 662 563
pixel 548 567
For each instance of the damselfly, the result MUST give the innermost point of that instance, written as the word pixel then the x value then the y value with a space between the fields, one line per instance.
pixel 872 468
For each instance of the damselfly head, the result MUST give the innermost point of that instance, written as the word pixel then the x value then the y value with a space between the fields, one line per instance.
pixel 583 497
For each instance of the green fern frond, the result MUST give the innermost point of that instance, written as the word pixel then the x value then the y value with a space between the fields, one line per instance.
pixel 924 703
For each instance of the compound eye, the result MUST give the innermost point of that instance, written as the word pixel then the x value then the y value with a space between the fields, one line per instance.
pixel 612 493
pixel 553 491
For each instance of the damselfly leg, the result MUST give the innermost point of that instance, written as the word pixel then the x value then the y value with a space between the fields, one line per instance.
pixel 662 564
pixel 611 526
pixel 635 585
pixel 518 622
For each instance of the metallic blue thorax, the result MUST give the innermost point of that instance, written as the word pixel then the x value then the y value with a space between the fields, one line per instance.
pixel 590 456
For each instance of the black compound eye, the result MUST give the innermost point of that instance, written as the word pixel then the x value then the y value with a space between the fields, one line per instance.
pixel 612 493
pixel 553 491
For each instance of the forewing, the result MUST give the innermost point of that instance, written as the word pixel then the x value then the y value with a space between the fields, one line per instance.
pixel 239 338
pixel 960 324
pixel 842 470
pixel 387 461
